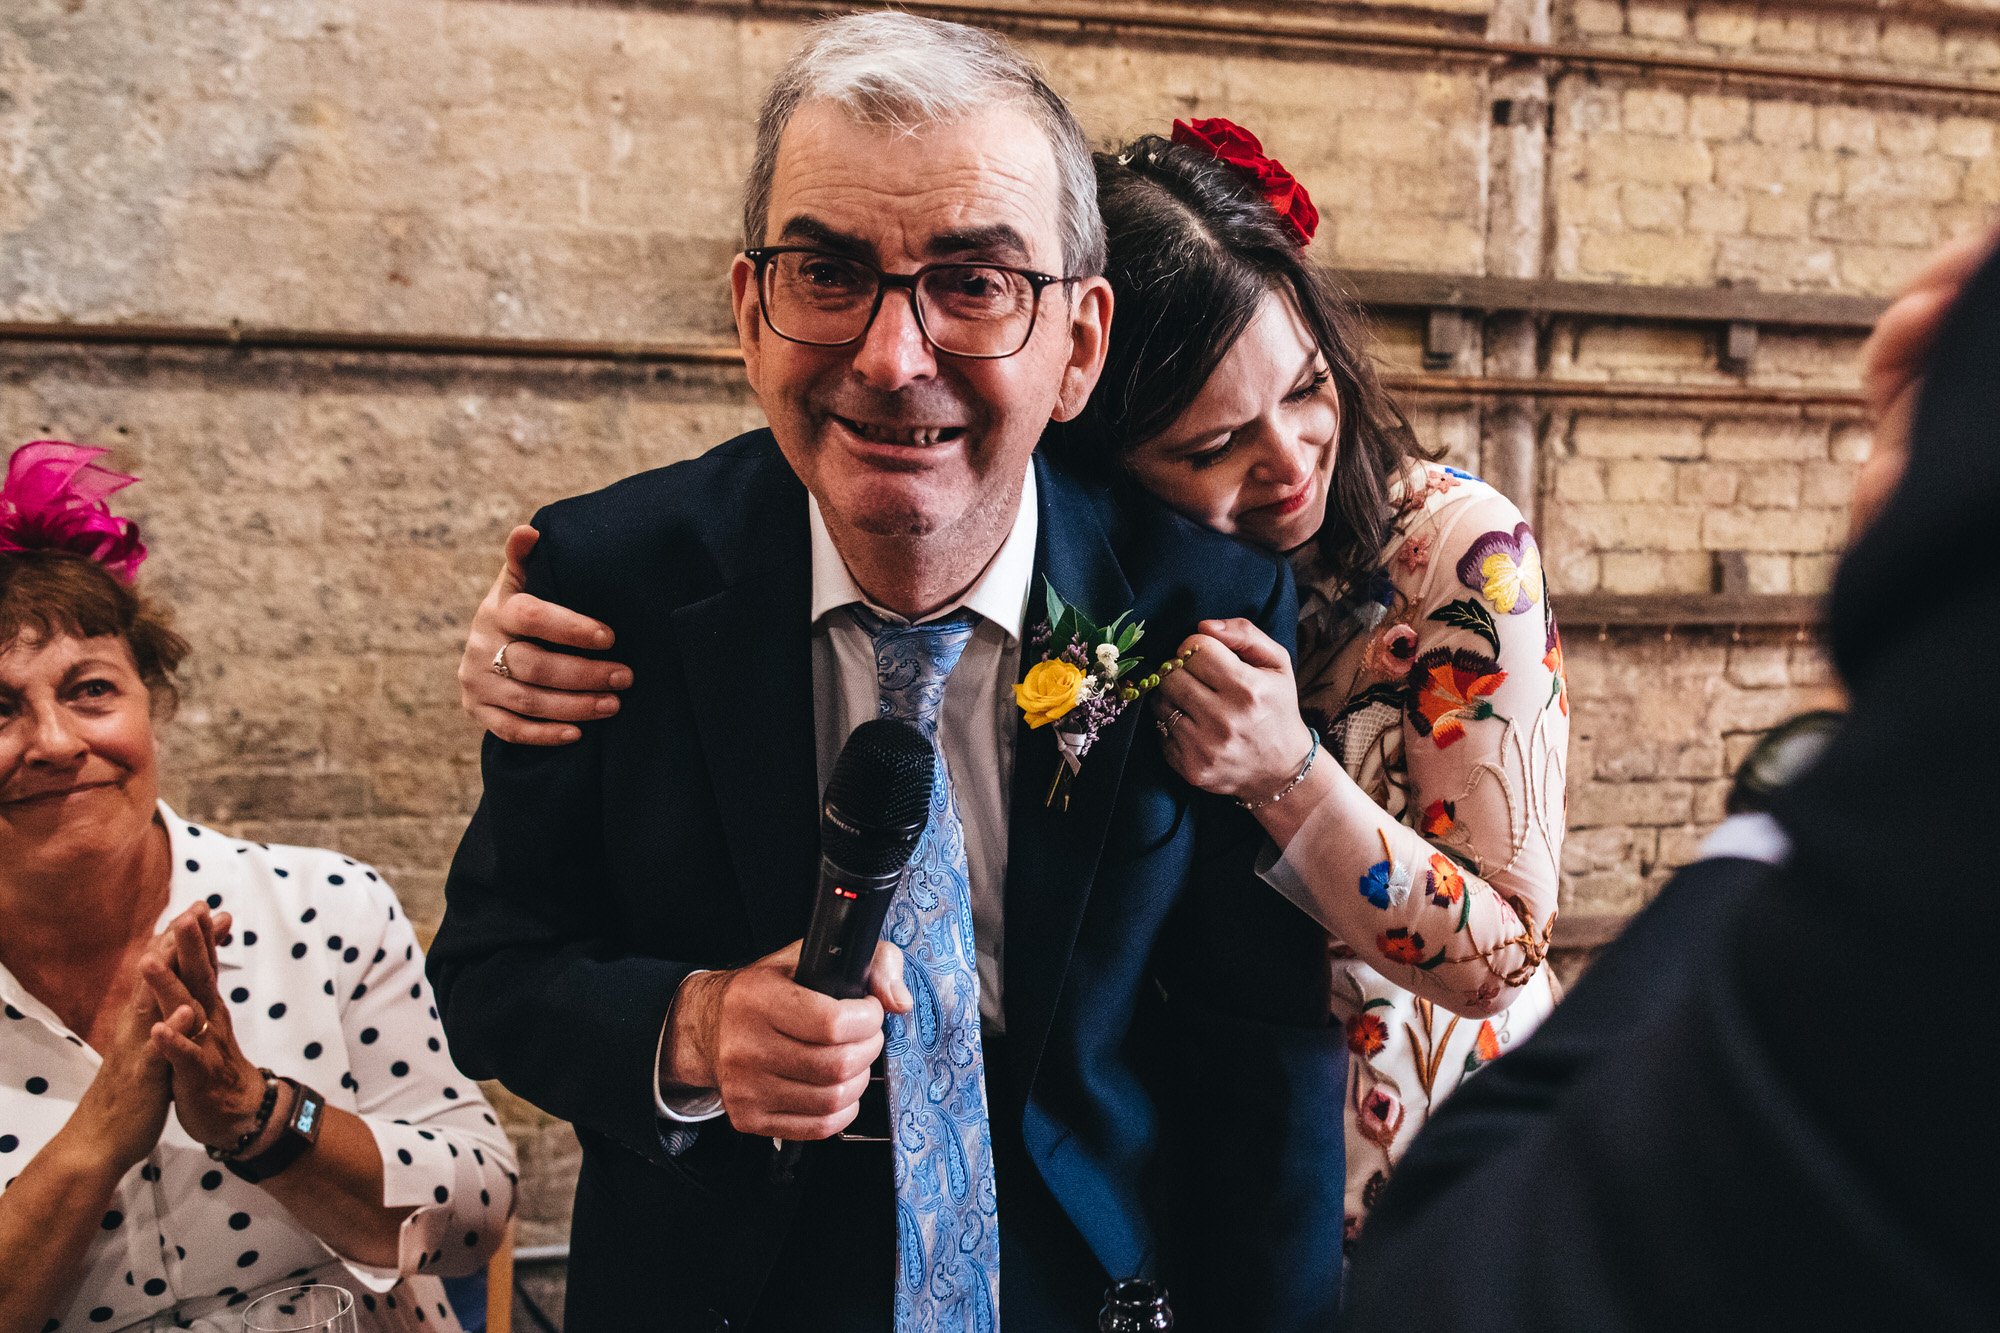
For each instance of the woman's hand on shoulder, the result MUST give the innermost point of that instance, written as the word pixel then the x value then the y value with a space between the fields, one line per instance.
pixel 217 1089
pixel 1232 713
pixel 542 693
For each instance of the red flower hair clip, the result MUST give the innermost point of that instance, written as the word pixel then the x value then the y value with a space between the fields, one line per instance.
pixel 1240 149
pixel 53 500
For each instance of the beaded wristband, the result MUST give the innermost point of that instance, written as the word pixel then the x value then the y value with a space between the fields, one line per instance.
pixel 256 1130
pixel 1304 769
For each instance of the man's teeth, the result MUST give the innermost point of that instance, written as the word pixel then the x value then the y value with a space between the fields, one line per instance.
pixel 918 439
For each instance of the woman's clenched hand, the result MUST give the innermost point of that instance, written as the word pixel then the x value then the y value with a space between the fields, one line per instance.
pixel 1238 732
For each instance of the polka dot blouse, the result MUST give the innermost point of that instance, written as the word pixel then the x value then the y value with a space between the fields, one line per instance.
pixel 325 983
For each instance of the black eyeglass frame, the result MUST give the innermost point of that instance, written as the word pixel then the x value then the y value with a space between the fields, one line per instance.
pixel 762 256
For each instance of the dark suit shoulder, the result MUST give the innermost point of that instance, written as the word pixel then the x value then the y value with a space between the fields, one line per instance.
pixel 1160 549
pixel 688 527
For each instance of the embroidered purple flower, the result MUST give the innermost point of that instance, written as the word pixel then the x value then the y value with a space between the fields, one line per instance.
pixel 1506 569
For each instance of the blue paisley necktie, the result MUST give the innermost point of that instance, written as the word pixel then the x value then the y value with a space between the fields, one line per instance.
pixel 947 1217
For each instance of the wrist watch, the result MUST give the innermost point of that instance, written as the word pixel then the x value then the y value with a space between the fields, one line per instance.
pixel 300 1132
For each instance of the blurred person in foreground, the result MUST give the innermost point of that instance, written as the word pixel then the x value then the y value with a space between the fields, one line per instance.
pixel 220 1069
pixel 1761 1108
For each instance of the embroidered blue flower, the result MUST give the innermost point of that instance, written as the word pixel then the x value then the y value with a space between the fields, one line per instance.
pixel 1375 885
pixel 1462 476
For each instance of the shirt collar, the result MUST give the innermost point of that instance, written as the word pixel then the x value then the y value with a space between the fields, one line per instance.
pixel 999 594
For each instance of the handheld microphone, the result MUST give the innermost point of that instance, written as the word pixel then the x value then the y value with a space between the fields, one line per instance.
pixel 877 804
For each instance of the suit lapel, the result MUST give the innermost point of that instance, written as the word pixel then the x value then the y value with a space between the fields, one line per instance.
pixel 761 746
pixel 1052 852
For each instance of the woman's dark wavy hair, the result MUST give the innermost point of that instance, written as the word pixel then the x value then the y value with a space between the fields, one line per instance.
pixel 45 595
pixel 1194 251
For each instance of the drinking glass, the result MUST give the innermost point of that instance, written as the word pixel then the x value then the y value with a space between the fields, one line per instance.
pixel 315 1308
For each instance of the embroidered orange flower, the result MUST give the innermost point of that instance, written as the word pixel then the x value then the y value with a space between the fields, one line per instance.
pixel 1553 660
pixel 1449 688
pixel 1485 1048
pixel 1447 883
pixel 1402 945
pixel 1366 1034
pixel 1439 818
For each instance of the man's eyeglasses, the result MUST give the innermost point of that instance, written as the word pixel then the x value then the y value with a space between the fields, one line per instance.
pixel 982 311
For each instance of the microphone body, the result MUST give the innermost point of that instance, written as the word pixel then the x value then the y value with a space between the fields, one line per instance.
pixel 877 804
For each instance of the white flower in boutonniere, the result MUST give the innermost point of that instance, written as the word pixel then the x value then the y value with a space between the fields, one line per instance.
pixel 1082 682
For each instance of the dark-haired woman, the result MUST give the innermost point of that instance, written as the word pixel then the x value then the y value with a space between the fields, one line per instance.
pixel 1419 752
pixel 271 998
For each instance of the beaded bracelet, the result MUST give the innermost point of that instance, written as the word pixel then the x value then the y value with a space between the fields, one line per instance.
pixel 1304 769
pixel 256 1130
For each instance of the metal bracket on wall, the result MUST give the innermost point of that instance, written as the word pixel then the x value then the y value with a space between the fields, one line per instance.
pixel 1739 346
pixel 1446 334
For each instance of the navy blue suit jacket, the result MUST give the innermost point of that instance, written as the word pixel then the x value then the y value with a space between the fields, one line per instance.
pixel 1166 1011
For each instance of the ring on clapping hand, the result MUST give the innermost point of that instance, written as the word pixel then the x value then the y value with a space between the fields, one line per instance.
pixel 1167 727
pixel 200 1032
pixel 500 661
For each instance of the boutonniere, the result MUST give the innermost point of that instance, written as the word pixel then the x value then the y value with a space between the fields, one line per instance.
pixel 1084 680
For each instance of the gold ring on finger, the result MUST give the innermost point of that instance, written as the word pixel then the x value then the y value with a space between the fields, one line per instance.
pixel 202 1031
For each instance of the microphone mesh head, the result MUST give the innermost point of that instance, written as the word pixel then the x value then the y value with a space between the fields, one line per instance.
pixel 879 797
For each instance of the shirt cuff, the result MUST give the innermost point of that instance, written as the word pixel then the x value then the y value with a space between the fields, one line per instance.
pixel 684 1106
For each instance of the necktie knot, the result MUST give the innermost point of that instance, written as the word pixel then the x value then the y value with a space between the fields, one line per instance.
pixel 912 662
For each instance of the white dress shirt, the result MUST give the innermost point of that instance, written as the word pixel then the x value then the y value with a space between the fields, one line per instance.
pixel 325 983
pixel 975 726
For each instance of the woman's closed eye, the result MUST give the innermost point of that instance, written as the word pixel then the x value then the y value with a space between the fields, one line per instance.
pixel 1312 387
pixel 1207 458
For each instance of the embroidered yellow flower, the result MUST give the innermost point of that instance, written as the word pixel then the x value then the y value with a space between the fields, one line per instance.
pixel 1049 691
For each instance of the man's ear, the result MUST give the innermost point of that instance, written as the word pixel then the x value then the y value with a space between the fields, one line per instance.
pixel 745 304
pixel 1089 341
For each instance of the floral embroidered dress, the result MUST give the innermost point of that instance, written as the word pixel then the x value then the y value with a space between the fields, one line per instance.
pixel 1437 684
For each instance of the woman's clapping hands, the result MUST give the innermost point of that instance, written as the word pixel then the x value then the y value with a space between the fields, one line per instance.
pixel 216 1088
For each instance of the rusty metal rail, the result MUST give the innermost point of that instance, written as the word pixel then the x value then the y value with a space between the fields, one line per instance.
pixel 1083 18
pixel 685 354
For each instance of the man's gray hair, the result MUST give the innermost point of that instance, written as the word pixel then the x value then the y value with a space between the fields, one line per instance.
pixel 904 72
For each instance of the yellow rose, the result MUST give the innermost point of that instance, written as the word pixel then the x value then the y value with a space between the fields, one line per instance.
pixel 1048 692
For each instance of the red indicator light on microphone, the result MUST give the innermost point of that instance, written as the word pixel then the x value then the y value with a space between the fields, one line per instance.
pixel 847 893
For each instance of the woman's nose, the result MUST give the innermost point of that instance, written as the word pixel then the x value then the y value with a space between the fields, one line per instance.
pixel 54 737
pixel 1286 460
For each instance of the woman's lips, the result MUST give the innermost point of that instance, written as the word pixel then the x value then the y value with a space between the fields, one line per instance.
pixel 54 794
pixel 1288 506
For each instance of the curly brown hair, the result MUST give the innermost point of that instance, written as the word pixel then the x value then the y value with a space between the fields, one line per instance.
pixel 48 594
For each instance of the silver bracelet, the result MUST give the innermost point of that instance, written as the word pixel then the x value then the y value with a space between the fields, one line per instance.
pixel 1304 769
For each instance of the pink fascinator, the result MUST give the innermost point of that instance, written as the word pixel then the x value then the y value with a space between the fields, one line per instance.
pixel 53 500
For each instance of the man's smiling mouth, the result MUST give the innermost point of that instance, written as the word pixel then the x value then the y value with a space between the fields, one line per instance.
pixel 907 437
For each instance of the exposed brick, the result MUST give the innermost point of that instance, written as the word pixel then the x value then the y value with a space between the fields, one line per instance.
pixel 1911 43
pixel 1757 666
pixel 1598 17
pixel 1767 440
pixel 1633 572
pixel 1652 161
pixel 1637 437
pixel 1668 259
pixel 1962 136
pixel 1720 26
pixel 1681 846
pixel 1661 19
pixel 1849 129
pixel 1782 215
pixel 1706 484
pixel 1580 480
pixel 228 798
pixel 1652 207
pixel 1768 575
pixel 1828 485
pixel 1791 33
pixel 1771 486
pixel 1720 211
pixel 1790 530
pixel 1713 116
pixel 1655 111
pixel 1850 444
pixel 1654 803
pixel 1782 124
pixel 1640 481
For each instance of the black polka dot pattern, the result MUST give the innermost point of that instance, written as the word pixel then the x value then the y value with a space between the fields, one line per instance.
pixel 245 1259
pixel 369 1036
pixel 238 1221
pixel 212 1180
pixel 240 994
pixel 277 1010
pixel 37 1085
pixel 299 950
pixel 312 1050
pixel 113 1220
pixel 100 1314
pixel 154 1286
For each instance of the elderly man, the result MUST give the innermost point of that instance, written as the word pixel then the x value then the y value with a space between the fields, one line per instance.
pixel 1120 1063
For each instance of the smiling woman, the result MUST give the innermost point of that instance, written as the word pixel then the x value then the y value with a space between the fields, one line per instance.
pixel 123 927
